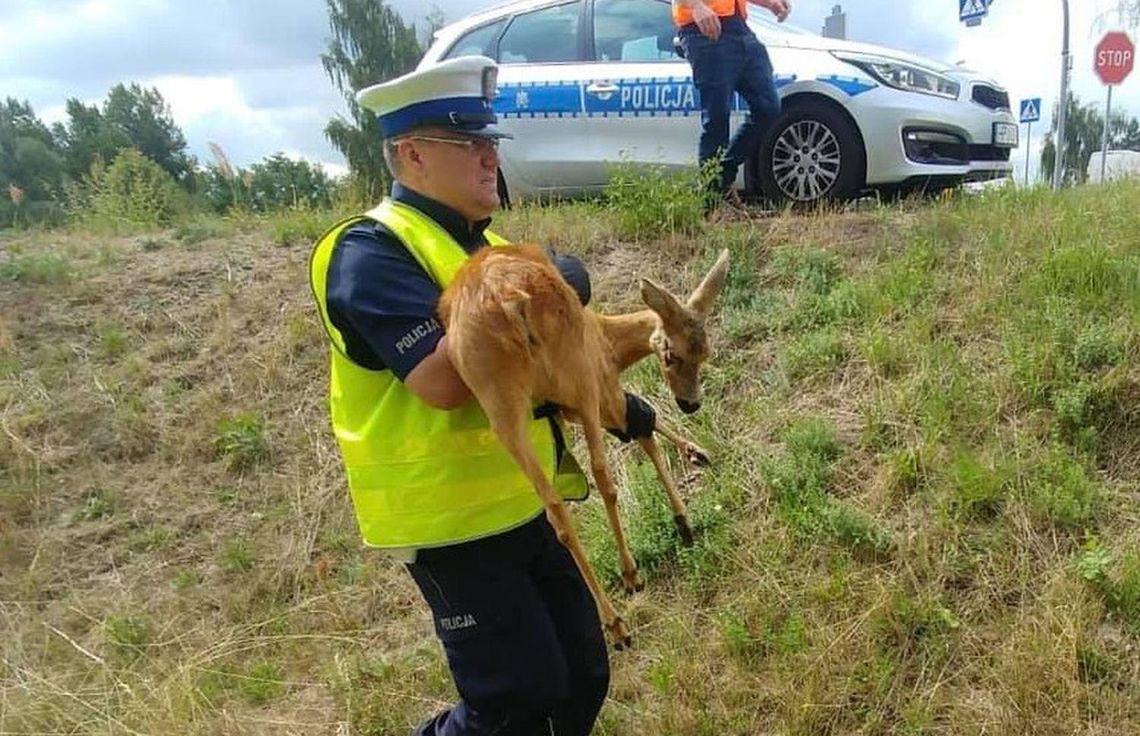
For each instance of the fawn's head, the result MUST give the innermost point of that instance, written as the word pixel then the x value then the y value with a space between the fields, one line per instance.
pixel 680 341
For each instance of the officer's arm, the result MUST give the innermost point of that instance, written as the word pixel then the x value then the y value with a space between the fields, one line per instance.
pixel 436 381
pixel 573 272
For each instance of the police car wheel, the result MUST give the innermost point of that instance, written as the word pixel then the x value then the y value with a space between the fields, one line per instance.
pixel 811 153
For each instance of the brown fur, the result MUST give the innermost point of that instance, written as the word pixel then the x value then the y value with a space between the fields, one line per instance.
pixel 517 334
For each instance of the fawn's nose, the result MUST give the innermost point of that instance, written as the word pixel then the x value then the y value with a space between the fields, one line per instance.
pixel 688 406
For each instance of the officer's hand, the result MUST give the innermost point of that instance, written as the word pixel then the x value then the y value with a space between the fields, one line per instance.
pixel 574 273
pixel 640 419
pixel 706 20
pixel 780 8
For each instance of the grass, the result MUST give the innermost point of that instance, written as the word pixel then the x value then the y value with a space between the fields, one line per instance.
pixel 921 517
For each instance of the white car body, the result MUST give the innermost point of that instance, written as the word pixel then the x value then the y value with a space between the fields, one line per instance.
pixel 574 117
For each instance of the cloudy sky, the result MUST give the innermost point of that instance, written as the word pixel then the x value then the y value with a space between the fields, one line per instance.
pixel 247 75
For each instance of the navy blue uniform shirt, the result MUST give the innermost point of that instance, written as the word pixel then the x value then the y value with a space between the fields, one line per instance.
pixel 382 300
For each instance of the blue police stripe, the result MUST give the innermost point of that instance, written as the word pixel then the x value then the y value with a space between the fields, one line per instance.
pixel 528 100
pixel 406 118
pixel 637 97
pixel 851 85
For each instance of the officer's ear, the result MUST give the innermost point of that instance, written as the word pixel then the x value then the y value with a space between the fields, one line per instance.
pixel 408 153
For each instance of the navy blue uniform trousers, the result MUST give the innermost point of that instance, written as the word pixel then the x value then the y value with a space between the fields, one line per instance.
pixel 521 634
pixel 736 62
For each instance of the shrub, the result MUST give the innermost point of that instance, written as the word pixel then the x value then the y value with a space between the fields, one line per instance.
pixel 649 202
pixel 135 190
pixel 299 226
pixel 36 268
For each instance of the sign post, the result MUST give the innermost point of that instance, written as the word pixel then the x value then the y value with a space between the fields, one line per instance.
pixel 1030 113
pixel 1063 107
pixel 1114 57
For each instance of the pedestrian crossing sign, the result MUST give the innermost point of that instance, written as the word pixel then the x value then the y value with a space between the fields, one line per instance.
pixel 972 11
pixel 1031 110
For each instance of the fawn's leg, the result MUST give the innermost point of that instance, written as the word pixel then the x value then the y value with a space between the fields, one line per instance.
pixel 680 513
pixel 508 420
pixel 592 428
pixel 688 449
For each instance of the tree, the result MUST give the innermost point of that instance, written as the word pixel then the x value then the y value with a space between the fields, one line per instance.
pixel 370 44
pixel 131 117
pixel 1129 11
pixel 30 161
pixel 280 182
pixel 144 116
pixel 432 23
pixel 1084 129
pixel 277 182
pixel 87 137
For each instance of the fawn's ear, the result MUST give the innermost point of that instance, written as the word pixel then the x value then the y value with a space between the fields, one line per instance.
pixel 662 302
pixel 704 295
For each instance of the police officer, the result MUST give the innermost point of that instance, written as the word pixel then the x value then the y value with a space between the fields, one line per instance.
pixel 726 57
pixel 430 482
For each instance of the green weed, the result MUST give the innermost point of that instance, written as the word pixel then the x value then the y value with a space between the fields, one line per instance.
pixel 237 557
pixel 651 202
pixel 241 440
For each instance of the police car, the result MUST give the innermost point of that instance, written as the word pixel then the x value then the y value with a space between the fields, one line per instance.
pixel 584 84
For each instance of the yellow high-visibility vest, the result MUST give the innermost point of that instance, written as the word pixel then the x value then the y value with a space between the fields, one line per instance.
pixel 419 476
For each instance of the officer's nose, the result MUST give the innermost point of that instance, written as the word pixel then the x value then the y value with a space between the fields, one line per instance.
pixel 688 406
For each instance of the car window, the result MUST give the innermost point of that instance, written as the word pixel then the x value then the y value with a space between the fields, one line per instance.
pixel 478 42
pixel 544 36
pixel 633 30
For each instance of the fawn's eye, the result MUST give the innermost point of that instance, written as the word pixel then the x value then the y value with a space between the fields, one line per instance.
pixel 669 358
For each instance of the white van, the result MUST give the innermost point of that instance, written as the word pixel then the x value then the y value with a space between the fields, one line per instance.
pixel 1119 165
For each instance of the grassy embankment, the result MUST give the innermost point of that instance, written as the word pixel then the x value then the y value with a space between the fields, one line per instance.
pixel 922 517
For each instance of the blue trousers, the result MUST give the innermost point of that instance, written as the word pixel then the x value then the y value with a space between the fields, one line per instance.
pixel 736 62
pixel 521 634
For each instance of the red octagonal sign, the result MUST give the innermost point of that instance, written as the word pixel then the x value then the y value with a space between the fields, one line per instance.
pixel 1114 58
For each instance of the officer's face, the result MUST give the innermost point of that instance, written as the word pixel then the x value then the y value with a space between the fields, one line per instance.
pixel 460 171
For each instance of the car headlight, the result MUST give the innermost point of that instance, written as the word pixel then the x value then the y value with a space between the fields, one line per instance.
pixel 901 75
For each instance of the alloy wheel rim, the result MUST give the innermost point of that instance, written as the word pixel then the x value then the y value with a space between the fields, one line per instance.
pixel 806 160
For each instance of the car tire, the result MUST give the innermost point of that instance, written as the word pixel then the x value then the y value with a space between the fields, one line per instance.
pixel 812 152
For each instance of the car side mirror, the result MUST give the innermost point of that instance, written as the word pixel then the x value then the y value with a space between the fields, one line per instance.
pixel 677 48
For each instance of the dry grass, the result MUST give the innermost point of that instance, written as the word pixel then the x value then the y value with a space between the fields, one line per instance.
pixel 155 579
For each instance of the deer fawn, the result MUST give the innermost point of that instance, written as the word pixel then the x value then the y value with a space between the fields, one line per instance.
pixel 518 334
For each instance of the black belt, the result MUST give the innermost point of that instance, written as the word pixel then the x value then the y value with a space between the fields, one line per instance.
pixel 550 412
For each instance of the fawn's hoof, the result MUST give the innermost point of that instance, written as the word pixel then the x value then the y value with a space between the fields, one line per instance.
pixel 619 635
pixel 697 456
pixel 632 582
pixel 684 530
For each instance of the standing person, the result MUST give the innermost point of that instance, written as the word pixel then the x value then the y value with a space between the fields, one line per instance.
pixel 726 57
pixel 430 482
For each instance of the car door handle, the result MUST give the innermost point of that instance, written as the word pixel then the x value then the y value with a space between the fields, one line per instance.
pixel 602 88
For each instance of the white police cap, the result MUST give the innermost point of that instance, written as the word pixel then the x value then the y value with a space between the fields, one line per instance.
pixel 455 94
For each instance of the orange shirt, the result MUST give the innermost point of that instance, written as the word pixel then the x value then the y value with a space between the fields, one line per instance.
pixel 683 16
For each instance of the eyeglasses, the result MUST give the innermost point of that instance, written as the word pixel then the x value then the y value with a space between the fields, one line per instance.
pixel 479 145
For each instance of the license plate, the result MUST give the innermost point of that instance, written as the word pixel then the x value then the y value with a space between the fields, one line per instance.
pixel 1005 134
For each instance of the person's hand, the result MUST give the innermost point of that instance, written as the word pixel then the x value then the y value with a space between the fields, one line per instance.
pixel 780 9
pixel 640 419
pixel 707 21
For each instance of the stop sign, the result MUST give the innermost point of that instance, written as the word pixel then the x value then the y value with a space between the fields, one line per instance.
pixel 1114 58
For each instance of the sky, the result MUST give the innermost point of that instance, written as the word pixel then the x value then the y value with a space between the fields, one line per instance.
pixel 246 74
